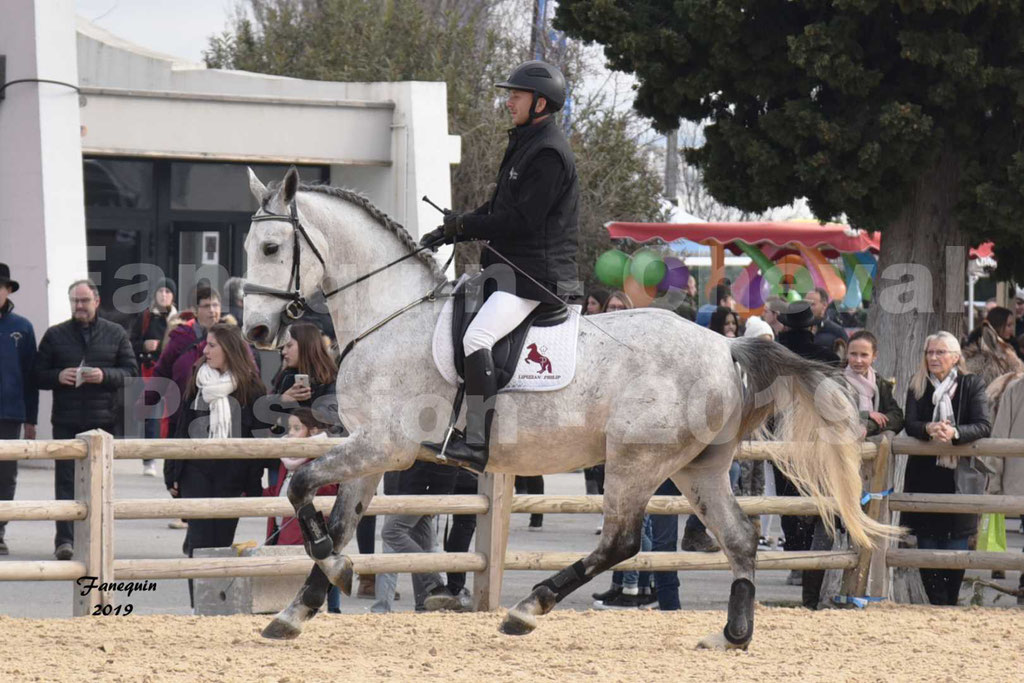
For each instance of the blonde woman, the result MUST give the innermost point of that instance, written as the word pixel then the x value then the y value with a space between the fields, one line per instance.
pixel 946 404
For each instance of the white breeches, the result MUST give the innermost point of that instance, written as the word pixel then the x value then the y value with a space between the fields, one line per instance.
pixel 500 314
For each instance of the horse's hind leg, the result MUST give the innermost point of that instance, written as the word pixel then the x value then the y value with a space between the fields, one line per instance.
pixel 705 483
pixel 625 499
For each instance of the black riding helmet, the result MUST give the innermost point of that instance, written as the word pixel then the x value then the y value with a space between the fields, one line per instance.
pixel 540 78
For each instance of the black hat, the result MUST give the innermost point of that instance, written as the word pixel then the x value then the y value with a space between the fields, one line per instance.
pixel 798 316
pixel 540 78
pixel 5 278
pixel 168 283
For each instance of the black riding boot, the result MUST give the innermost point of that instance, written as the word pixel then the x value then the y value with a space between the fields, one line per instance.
pixel 471 449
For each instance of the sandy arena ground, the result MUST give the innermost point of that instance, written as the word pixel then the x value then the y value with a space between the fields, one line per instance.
pixel 883 643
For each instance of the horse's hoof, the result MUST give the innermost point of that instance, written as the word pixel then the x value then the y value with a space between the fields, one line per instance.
pixel 344 582
pixel 280 630
pixel 718 641
pixel 518 624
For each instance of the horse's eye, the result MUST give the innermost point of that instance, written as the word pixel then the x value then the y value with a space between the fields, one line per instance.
pixel 269 248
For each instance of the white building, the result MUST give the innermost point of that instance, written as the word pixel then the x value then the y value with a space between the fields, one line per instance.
pixel 147 164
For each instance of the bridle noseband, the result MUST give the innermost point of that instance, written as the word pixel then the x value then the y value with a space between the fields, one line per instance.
pixel 297 304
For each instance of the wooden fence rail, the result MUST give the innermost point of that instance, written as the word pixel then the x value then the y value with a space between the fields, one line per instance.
pixel 96 510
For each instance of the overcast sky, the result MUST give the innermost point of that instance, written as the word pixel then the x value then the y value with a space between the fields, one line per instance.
pixel 175 27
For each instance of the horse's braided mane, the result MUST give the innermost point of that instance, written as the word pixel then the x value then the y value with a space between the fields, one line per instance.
pixel 363 202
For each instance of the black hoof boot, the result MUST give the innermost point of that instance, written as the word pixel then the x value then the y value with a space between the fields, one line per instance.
pixel 314 531
pixel 740 625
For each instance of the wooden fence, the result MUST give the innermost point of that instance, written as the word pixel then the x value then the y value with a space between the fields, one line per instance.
pixel 96 508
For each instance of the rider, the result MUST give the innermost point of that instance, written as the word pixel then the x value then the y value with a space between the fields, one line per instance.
pixel 531 220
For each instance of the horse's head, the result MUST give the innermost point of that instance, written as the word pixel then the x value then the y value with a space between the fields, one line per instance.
pixel 286 254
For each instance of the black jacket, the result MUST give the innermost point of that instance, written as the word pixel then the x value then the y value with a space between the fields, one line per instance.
pixel 828 332
pixel 322 399
pixel 64 346
pixel 973 421
pixel 232 477
pixel 888 406
pixel 146 326
pixel 801 342
pixel 532 218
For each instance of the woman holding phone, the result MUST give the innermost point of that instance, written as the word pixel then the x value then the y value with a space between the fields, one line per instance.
pixel 307 375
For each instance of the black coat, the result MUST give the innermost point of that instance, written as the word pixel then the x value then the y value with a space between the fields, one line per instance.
pixel 973 421
pixel 326 408
pixel 146 326
pixel 801 342
pixel 232 477
pixel 532 218
pixel 64 346
pixel 888 406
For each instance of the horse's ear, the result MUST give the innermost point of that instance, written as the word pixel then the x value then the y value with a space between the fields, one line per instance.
pixel 258 189
pixel 290 185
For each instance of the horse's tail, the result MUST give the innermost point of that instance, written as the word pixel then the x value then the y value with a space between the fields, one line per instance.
pixel 814 409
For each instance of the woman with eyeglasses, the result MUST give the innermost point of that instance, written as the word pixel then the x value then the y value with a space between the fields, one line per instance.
pixel 948 405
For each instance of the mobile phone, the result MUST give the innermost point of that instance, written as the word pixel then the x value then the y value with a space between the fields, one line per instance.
pixel 302 380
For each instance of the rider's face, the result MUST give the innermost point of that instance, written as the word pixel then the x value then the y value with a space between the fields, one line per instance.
pixel 518 104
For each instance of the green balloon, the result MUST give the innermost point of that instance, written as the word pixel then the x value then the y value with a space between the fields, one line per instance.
pixel 611 267
pixel 793 295
pixel 647 268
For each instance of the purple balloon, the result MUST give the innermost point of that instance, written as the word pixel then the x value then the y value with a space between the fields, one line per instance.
pixel 676 275
pixel 747 290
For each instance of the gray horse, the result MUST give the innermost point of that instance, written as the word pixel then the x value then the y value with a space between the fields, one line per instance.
pixel 655 397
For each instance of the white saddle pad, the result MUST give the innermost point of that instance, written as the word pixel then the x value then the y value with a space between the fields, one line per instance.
pixel 548 366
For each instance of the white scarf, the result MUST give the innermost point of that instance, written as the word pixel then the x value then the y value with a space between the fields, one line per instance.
pixel 214 389
pixel 866 388
pixel 942 397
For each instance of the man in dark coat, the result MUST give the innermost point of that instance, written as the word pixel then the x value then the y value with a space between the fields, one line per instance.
pixel 84 361
pixel 532 221
pixel 19 397
pixel 796 336
pixel 828 330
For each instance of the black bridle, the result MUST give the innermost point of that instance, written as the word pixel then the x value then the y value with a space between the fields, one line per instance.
pixel 297 304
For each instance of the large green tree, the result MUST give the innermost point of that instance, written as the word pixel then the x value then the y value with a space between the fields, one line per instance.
pixel 900 115
pixel 469 45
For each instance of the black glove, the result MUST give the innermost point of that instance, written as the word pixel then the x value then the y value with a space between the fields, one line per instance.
pixel 434 238
pixel 453 225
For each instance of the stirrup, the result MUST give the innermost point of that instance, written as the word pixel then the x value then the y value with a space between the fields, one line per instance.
pixel 314 532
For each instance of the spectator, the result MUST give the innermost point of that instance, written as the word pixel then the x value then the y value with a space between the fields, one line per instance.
pixel 185 342
pixel 1018 313
pixel 19 397
pixel 798 338
pixel 596 299
pixel 84 361
pixel 947 405
pixel 879 410
pixel 687 308
pixel 304 353
pixel 725 322
pixel 773 306
pixel 617 301
pixel 415 534
pixel 460 535
pixel 631 588
pixel 147 332
pixel 1008 476
pixel 756 327
pixel 990 349
pixel 218 404
pixel 723 297
pixel 828 330
pixel 236 302
pixel 533 486
pixel 284 530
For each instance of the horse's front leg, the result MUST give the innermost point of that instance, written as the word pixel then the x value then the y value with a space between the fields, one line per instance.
pixel 357 476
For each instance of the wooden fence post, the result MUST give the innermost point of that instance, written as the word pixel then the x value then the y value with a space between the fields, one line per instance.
pixel 855 581
pixel 876 582
pixel 94 536
pixel 492 539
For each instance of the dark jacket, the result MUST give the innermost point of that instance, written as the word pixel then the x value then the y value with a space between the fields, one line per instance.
pixel 801 342
pixel 532 218
pixel 19 396
pixel 828 332
pixel 972 420
pixel 233 477
pixel 887 405
pixel 146 326
pixel 64 346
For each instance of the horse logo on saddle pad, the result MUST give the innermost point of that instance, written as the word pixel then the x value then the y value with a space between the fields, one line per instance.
pixel 539 355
